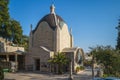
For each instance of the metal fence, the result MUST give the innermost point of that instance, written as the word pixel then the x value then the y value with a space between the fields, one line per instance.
pixel 5 65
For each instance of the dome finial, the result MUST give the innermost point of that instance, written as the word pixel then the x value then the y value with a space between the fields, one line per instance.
pixel 52 9
pixel 70 30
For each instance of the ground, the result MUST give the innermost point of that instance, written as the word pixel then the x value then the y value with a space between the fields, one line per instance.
pixel 85 75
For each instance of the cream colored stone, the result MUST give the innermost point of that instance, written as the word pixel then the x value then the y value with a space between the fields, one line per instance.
pixel 44 43
pixel 6 47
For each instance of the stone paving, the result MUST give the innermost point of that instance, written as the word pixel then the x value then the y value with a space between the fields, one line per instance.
pixel 85 75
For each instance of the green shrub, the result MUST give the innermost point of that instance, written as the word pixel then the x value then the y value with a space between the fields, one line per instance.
pixel 105 75
pixel 78 68
pixel 1 74
pixel 82 67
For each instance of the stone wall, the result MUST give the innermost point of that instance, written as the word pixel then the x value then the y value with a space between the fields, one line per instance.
pixel 64 38
pixel 46 37
pixel 37 53
pixel 6 47
pixel 13 49
pixel 43 36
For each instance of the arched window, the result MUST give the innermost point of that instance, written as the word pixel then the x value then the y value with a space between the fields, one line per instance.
pixel 79 57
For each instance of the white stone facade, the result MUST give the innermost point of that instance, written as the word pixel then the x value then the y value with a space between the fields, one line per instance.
pixel 64 38
pixel 50 36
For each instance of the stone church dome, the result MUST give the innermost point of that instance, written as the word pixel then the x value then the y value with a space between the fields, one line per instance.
pixel 52 19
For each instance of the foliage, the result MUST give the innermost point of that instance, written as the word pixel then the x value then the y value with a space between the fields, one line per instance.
pixel 1 73
pixel 16 32
pixel 24 42
pixel 118 38
pixel 4 14
pixel 10 29
pixel 60 60
pixel 107 57
pixel 78 68
pixel 82 67
pixel 87 63
pixel 4 18
pixel 105 75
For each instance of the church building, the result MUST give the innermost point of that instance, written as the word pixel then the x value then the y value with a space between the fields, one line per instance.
pixel 51 36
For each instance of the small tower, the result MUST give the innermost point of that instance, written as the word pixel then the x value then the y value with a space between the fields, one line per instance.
pixel 71 38
pixel 31 37
pixel 52 9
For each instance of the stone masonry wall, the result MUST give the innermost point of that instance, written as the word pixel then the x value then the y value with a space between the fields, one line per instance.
pixel 44 36
pixel 64 38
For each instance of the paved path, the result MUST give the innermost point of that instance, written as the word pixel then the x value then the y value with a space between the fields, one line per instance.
pixel 85 75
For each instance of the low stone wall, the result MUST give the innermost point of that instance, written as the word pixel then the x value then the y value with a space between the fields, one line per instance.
pixel 12 48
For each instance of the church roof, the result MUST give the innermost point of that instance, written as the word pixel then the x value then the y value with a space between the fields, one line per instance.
pixel 52 19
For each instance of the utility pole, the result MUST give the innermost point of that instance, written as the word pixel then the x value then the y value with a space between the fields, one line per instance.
pixel 92 66
pixel 71 76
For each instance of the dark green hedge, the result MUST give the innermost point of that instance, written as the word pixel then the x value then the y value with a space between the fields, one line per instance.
pixel 1 74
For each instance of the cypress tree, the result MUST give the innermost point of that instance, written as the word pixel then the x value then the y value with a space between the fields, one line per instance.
pixel 118 38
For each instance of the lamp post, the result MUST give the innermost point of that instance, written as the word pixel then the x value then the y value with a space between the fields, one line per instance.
pixel 71 76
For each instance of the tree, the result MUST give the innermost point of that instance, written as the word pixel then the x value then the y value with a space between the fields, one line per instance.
pixel 4 14
pixel 24 43
pixel 4 17
pixel 10 29
pixel 1 73
pixel 107 57
pixel 118 38
pixel 60 60
pixel 16 32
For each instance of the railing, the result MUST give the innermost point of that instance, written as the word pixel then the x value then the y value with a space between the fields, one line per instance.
pixel 29 67
pixel 5 65
pixel 1 74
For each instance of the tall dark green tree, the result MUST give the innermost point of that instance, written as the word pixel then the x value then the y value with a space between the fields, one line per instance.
pixel 10 29
pixel 118 38
pixel 1 73
pixel 4 14
pixel 15 32
pixel 4 17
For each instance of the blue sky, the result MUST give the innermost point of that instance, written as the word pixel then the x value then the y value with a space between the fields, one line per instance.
pixel 93 22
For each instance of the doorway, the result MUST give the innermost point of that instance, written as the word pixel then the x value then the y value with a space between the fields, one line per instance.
pixel 37 64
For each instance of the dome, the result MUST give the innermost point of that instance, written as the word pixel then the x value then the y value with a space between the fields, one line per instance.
pixel 52 19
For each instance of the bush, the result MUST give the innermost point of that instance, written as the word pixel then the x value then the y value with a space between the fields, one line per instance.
pixel 87 63
pixel 108 58
pixel 78 68
pixel 82 67
pixel 1 74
